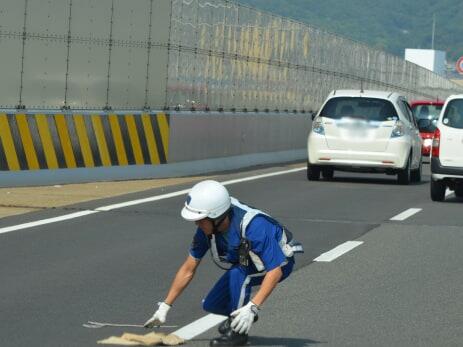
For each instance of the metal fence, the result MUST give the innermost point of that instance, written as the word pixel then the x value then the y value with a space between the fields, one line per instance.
pixel 226 55
pixel 83 54
pixel 184 54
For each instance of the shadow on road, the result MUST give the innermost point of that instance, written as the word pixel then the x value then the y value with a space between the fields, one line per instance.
pixel 370 180
pixel 280 341
pixel 451 199
pixel 271 341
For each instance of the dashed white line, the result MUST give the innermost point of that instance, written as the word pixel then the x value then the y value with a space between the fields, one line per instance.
pixel 134 202
pixel 338 251
pixel 199 326
pixel 407 213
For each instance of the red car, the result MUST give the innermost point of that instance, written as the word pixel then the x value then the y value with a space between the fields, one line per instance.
pixel 426 113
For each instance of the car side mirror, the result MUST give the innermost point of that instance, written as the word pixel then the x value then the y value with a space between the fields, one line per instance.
pixel 314 114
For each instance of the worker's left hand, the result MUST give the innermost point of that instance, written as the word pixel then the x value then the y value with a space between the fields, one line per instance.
pixel 243 318
pixel 159 317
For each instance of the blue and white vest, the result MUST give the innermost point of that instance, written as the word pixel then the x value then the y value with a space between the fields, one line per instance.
pixel 242 217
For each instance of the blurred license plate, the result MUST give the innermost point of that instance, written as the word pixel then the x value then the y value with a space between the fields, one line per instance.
pixel 358 132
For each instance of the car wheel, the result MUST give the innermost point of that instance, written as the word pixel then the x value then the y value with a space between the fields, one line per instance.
pixel 416 174
pixel 437 190
pixel 328 173
pixel 459 191
pixel 404 175
pixel 313 172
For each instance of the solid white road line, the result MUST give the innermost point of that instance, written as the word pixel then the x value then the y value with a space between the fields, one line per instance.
pixel 404 215
pixel 142 201
pixel 46 221
pixel 199 326
pixel 185 191
pixel 251 178
pixel 135 202
pixel 338 251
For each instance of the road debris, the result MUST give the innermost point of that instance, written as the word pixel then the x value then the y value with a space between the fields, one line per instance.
pixel 151 339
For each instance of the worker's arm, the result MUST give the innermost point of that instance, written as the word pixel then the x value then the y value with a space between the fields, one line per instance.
pixel 183 277
pixel 269 283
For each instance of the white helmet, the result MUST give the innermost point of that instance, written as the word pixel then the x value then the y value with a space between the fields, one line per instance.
pixel 207 199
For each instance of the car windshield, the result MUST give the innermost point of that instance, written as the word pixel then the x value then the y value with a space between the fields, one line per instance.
pixel 370 109
pixel 426 116
pixel 426 111
pixel 453 115
pixel 427 125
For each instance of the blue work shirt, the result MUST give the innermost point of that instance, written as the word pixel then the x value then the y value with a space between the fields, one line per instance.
pixel 263 233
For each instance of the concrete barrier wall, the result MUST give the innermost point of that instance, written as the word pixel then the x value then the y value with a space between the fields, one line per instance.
pixel 57 148
pixel 199 136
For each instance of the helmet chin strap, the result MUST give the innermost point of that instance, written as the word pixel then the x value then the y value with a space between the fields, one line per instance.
pixel 217 223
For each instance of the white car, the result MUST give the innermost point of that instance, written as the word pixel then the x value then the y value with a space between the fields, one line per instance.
pixel 447 150
pixel 365 131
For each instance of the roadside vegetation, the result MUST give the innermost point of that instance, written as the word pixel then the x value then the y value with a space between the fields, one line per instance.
pixel 387 25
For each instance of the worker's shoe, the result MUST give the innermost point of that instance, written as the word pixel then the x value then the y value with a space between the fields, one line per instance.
pixel 225 325
pixel 230 338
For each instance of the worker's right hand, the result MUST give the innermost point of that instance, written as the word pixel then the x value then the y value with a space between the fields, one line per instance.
pixel 159 317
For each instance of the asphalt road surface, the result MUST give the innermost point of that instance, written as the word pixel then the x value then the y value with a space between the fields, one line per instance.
pixel 400 286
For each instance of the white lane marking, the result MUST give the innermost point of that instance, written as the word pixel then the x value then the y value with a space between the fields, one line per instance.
pixel 338 251
pixel 133 202
pixel 407 213
pixel 142 201
pixel 199 326
pixel 46 221
pixel 251 178
pixel 185 191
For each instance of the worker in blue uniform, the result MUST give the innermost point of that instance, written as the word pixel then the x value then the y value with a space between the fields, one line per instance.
pixel 254 248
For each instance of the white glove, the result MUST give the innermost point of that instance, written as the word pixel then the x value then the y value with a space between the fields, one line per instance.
pixel 244 317
pixel 159 317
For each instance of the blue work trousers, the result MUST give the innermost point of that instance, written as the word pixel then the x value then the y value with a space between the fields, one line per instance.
pixel 233 289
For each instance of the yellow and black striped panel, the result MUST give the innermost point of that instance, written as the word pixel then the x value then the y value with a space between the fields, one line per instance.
pixel 52 141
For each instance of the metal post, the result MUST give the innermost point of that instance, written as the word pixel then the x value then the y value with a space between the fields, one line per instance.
pixel 145 106
pixel 107 106
pixel 169 40
pixel 66 106
pixel 24 36
pixel 433 30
